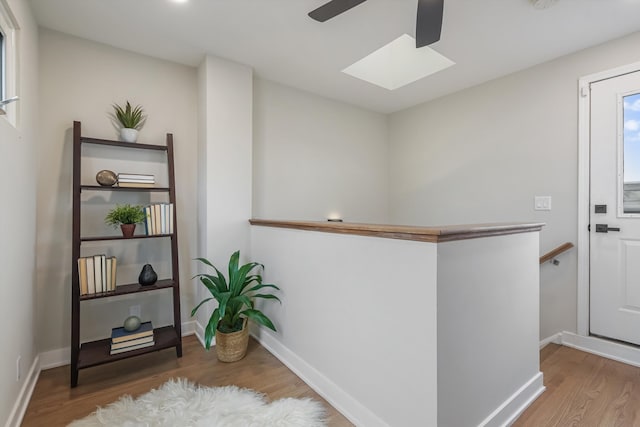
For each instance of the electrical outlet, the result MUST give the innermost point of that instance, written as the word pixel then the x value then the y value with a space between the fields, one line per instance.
pixel 134 310
pixel 18 368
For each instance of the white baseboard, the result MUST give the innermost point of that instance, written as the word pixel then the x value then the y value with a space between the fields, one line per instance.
pixel 611 350
pixel 55 358
pixel 199 331
pixel 189 328
pixel 20 406
pixel 507 413
pixel 555 338
pixel 352 409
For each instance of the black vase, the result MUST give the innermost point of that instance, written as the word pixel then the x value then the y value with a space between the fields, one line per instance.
pixel 147 276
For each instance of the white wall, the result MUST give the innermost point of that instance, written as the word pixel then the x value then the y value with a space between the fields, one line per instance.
pixel 314 157
pixel 80 80
pixel 18 148
pixel 357 320
pixel 482 154
pixel 224 151
pixel 488 346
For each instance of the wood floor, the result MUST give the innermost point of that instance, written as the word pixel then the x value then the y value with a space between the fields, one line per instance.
pixel 55 404
pixel 582 389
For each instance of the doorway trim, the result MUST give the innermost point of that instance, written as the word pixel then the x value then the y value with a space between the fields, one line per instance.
pixel 584 174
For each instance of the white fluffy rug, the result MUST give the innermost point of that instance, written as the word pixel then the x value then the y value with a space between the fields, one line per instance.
pixel 179 403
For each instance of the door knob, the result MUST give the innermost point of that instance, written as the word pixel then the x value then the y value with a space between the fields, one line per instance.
pixel 604 228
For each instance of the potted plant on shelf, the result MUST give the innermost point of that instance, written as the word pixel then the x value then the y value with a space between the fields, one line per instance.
pixel 131 119
pixel 125 216
pixel 235 297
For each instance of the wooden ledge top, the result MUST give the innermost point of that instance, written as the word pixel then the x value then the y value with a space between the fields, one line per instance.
pixel 422 234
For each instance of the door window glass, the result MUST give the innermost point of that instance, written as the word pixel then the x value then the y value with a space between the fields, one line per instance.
pixel 631 147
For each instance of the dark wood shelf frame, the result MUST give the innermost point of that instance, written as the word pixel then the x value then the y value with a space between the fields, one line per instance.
pixel 133 145
pixel 136 189
pixel 96 353
pixel 132 288
pixel 134 237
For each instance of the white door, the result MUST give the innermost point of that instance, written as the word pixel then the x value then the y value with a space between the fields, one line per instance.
pixel 615 208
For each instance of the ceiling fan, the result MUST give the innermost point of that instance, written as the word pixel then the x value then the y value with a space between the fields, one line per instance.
pixel 428 21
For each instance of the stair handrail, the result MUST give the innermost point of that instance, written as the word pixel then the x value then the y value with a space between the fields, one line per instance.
pixel 552 254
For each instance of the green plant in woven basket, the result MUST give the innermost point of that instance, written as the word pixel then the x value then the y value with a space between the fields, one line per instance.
pixel 125 214
pixel 130 117
pixel 235 297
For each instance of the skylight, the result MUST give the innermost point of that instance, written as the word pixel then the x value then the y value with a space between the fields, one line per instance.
pixel 398 63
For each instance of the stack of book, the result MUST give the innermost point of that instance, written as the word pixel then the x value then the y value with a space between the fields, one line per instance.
pixel 136 180
pixel 97 274
pixel 159 219
pixel 123 341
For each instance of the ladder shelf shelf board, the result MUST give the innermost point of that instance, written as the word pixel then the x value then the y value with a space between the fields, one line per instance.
pixel 96 353
pixel 133 189
pixel 132 288
pixel 136 236
pixel 84 355
pixel 133 145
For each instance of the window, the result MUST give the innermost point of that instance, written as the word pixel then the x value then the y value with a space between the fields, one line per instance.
pixel 631 149
pixel 8 65
pixel 2 67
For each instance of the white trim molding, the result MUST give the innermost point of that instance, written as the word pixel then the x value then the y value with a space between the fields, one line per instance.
pixel 610 349
pixel 21 403
pixel 342 401
pixel 555 338
pixel 515 405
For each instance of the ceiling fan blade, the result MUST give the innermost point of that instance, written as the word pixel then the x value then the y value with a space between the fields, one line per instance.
pixel 333 8
pixel 429 22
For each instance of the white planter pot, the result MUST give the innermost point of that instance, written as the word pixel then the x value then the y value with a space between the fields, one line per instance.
pixel 128 135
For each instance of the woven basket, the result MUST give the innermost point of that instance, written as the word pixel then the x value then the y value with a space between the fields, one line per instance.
pixel 233 346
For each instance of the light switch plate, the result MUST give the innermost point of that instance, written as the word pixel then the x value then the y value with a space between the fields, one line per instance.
pixel 542 203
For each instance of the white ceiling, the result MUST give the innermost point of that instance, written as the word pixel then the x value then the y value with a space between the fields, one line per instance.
pixel 485 38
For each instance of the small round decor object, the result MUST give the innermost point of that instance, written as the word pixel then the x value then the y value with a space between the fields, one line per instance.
pixel 106 178
pixel 132 323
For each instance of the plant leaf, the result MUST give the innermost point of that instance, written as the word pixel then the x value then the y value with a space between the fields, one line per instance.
pixel 193 312
pixel 222 303
pixel 244 300
pixel 267 296
pixel 210 285
pixel 258 317
pixel 233 266
pixel 263 285
pixel 210 330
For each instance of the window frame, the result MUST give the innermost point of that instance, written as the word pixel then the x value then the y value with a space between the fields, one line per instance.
pixel 9 63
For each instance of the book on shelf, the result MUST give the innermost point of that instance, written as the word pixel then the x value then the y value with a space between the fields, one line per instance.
pixel 119 335
pixel 114 265
pixel 82 272
pixel 99 268
pixel 130 343
pixel 170 207
pixel 156 216
pixel 158 219
pixel 138 176
pixel 136 184
pixel 97 274
pixel 163 219
pixel 143 180
pixel 91 278
pixel 131 348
